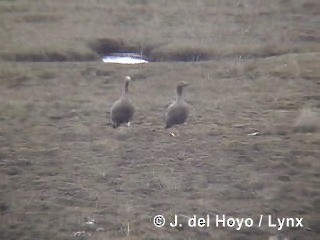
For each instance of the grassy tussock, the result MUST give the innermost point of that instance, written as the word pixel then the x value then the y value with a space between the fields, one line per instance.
pixel 307 121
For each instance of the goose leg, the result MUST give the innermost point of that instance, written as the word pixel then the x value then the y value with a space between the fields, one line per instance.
pixel 174 133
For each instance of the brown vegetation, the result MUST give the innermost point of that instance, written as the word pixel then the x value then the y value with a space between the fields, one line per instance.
pixel 250 147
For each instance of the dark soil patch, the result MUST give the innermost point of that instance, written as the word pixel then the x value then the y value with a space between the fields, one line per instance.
pixel 154 53
pixel 50 57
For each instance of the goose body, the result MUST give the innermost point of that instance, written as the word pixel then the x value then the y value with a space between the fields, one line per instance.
pixel 178 111
pixel 122 110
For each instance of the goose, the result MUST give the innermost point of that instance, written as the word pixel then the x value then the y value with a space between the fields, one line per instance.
pixel 122 110
pixel 178 111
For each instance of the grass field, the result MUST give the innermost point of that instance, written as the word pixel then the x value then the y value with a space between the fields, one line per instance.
pixel 65 173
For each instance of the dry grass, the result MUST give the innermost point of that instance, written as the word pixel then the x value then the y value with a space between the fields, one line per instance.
pixel 307 121
pixel 61 164
pixel 160 29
